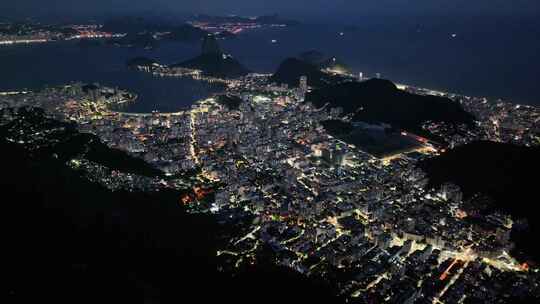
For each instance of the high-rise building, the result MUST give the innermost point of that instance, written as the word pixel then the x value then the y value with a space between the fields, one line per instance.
pixel 303 83
pixel 360 76
pixel 378 75
pixel 303 87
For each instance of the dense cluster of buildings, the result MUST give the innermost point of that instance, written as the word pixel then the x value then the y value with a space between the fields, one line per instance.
pixel 496 121
pixel 160 70
pixel 230 27
pixel 328 209
pixel 233 25
pixel 325 208
pixel 26 33
pixel 503 121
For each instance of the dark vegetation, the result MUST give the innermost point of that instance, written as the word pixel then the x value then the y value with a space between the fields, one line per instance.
pixel 503 172
pixel 215 65
pixel 292 69
pixel 322 61
pixel 380 101
pixel 67 143
pixel 213 62
pixel 337 127
pixel 230 101
pixel 70 240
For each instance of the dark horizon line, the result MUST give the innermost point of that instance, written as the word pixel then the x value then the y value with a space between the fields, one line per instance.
pixel 308 18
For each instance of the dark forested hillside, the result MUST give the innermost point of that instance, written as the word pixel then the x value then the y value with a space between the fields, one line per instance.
pixel 505 173
pixel 380 101
pixel 70 240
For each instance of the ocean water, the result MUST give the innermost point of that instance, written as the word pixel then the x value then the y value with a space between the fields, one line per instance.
pixel 495 58
pixel 36 66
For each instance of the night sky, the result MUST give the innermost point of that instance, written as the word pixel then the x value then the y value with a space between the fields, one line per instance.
pixel 333 9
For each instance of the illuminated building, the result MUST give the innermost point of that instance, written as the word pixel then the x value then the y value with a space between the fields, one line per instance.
pixel 303 87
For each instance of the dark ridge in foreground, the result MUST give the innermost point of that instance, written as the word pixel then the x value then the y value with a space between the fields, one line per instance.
pixel 506 173
pixel 290 71
pixel 68 143
pixel 380 101
pixel 73 241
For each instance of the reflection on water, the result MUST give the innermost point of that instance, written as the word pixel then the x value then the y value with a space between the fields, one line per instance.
pixel 36 66
pixel 168 94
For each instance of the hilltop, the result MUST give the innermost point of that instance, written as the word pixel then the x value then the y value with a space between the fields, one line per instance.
pixel 380 101
pixel 322 61
pixel 144 33
pixel 291 69
pixel 213 62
